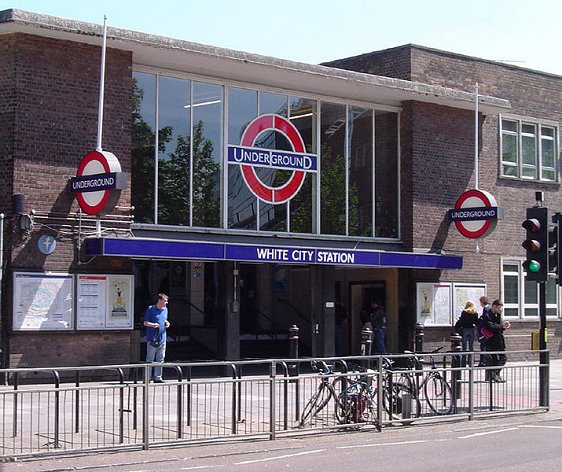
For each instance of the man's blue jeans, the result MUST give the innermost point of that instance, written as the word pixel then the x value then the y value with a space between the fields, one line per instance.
pixel 378 342
pixel 155 355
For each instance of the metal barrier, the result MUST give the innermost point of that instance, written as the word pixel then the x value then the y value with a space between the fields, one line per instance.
pixel 262 398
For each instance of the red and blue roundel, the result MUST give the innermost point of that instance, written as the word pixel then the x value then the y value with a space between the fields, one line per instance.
pixel 250 157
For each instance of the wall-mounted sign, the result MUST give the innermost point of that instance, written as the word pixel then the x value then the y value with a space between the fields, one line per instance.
pixel 46 244
pixel 98 182
pixel 475 214
pixel 249 157
pixel 43 302
pixel 104 302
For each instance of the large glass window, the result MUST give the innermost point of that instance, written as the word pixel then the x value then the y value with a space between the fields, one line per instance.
pixel 528 150
pixel 181 175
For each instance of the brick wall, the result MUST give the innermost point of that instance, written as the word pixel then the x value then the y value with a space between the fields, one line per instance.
pixel 50 122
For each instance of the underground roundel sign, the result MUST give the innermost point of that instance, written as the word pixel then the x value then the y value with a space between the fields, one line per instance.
pixel 98 182
pixel 250 157
pixel 475 214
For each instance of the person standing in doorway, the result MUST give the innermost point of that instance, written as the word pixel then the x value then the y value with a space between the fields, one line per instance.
pixel 156 322
pixel 378 323
pixel 341 322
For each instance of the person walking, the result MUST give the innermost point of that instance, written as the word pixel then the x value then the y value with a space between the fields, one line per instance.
pixel 156 322
pixel 491 328
pixel 465 326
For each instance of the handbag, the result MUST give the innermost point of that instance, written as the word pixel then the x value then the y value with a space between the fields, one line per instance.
pixel 155 342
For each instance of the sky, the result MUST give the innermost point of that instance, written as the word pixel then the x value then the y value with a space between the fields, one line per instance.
pixel 524 33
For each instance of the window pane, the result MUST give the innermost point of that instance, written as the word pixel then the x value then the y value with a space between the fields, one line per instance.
pixel 530 292
pixel 511 289
pixel 143 146
pixel 273 217
pixel 529 150
pixel 531 311
pixel 386 174
pixel 333 178
pixel 174 159
pixel 509 148
pixel 303 116
pixel 551 289
pixel 509 171
pixel 207 154
pixel 511 312
pixel 360 172
pixel 242 203
pixel 509 125
pixel 547 146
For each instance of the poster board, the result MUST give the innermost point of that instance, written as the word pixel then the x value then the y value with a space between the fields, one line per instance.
pixel 43 302
pixel 434 304
pixel 463 292
pixel 104 302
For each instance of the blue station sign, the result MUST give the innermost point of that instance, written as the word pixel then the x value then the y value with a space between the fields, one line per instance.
pixel 197 250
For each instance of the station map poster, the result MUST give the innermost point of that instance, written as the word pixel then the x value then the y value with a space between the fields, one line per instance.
pixel 43 302
pixel 464 292
pixel 104 302
pixel 434 304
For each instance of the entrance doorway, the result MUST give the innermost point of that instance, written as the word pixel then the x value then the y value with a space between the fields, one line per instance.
pixel 361 294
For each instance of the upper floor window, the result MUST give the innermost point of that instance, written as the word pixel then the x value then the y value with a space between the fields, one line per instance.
pixel 529 150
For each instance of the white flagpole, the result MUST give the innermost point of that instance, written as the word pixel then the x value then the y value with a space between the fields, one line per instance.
pixel 476 148
pixel 102 82
pixel 476 139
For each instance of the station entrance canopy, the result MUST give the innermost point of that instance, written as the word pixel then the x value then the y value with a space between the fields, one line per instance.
pixel 145 248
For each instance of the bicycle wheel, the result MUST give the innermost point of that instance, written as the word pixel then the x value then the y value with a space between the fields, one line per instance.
pixel 400 401
pixel 315 404
pixel 438 394
pixel 354 404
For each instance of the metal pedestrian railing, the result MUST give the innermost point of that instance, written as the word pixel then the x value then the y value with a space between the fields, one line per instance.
pixel 80 409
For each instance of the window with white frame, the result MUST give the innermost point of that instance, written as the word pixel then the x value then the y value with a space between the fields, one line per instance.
pixel 528 150
pixel 521 297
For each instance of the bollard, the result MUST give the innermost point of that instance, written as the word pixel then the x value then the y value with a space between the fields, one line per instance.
pixel 456 348
pixel 418 337
pixel 366 339
pixel 293 349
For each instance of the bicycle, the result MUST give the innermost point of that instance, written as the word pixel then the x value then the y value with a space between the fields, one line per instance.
pixel 354 399
pixel 437 392
pixel 324 393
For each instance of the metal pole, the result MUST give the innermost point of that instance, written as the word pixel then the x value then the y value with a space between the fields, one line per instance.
pixel 543 372
pixel 102 86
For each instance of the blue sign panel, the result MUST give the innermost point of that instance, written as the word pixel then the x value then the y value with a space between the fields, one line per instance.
pixel 474 213
pixel 272 158
pixel 97 182
pixel 166 249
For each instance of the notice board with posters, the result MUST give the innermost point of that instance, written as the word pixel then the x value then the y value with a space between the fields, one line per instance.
pixel 43 302
pixel 433 301
pixel 104 302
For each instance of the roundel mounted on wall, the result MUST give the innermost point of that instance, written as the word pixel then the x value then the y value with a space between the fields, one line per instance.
pixel 250 157
pixel 98 182
pixel 475 214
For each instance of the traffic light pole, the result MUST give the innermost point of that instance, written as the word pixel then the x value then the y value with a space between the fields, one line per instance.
pixel 543 370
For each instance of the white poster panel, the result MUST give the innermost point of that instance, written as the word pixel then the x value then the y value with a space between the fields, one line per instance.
pixel 462 292
pixel 104 302
pixel 43 302
pixel 119 312
pixel 91 295
pixel 434 304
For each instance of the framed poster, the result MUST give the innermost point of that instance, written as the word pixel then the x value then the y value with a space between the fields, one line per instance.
pixel 462 292
pixel 104 302
pixel 434 304
pixel 43 302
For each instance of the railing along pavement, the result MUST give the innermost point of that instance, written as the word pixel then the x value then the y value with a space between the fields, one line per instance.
pixel 70 410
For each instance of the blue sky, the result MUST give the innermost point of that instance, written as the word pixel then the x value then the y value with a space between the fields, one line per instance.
pixel 522 32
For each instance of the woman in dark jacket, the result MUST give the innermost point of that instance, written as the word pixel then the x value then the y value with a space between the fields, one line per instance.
pixel 466 325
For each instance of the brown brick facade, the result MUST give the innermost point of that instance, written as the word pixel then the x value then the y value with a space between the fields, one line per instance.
pixel 49 116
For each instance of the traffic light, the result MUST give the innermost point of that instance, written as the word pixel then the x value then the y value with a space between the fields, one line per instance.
pixel 536 244
pixel 554 255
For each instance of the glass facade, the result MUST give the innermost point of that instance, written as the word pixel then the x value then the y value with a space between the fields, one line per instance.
pixel 181 175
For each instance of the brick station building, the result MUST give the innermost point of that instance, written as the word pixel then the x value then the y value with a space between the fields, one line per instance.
pixel 260 194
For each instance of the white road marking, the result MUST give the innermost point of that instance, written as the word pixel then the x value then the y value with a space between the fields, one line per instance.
pixel 286 456
pixel 540 426
pixel 381 444
pixel 487 432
